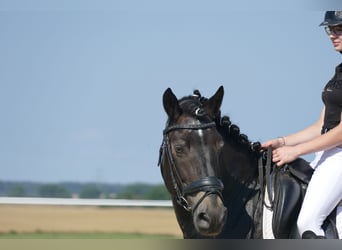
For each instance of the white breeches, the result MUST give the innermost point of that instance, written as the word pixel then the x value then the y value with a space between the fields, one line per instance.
pixel 324 191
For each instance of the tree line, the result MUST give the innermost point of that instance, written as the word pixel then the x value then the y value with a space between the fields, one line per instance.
pixel 84 190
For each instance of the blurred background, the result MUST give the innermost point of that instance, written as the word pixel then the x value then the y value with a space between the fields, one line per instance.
pixel 81 84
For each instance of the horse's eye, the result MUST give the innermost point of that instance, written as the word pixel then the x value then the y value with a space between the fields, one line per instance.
pixel 179 149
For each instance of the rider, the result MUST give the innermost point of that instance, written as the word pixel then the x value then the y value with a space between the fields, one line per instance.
pixel 325 139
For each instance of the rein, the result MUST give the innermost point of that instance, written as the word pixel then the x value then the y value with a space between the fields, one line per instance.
pixel 264 178
pixel 209 185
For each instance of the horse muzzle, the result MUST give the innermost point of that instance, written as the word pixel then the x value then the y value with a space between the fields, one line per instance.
pixel 210 215
pixel 208 211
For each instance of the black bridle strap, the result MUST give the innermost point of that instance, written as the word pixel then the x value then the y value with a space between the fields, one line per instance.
pixel 189 126
pixel 210 183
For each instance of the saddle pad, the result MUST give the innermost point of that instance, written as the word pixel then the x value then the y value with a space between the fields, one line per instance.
pixel 267 215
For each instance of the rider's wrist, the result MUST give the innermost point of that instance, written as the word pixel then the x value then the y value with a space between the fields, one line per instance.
pixel 282 141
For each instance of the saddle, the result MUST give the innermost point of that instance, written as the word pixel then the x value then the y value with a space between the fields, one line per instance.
pixel 288 186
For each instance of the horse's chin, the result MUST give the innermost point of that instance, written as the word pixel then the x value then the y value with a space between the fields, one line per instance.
pixel 206 232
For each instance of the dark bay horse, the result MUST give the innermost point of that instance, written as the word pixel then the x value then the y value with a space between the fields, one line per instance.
pixel 214 176
pixel 189 160
pixel 210 201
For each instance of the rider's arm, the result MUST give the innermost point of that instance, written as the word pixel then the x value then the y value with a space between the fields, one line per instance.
pixel 326 141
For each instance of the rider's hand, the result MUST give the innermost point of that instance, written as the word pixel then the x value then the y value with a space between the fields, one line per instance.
pixel 274 144
pixel 284 155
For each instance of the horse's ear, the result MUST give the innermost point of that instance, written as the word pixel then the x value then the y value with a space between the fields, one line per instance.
pixel 171 105
pixel 213 104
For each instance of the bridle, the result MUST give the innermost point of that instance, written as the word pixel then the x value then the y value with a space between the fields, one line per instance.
pixel 209 185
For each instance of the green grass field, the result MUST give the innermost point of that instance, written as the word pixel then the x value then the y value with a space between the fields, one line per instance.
pixel 46 235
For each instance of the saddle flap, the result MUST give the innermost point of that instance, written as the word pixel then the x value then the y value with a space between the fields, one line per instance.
pixel 287 201
pixel 300 169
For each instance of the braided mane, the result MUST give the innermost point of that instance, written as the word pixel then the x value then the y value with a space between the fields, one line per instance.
pixel 192 105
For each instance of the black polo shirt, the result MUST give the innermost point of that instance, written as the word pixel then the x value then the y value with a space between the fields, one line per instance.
pixel 332 98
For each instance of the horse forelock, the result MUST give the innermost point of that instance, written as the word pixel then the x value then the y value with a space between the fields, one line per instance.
pixel 192 106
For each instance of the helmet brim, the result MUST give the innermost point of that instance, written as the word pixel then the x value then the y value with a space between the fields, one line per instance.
pixel 330 23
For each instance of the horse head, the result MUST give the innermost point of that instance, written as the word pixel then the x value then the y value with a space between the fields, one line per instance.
pixel 190 158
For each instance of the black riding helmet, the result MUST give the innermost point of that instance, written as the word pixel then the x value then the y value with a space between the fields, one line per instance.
pixel 332 18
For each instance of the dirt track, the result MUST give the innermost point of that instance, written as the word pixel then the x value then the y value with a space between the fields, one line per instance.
pixel 20 218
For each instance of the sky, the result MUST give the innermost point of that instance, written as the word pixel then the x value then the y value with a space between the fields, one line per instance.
pixel 81 82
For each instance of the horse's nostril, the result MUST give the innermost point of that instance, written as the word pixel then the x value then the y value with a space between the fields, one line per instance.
pixel 204 217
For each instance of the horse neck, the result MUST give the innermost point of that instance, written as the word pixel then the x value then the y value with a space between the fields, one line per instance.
pixel 241 190
pixel 238 163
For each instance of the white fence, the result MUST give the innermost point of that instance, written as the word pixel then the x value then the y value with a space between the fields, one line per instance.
pixel 84 202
